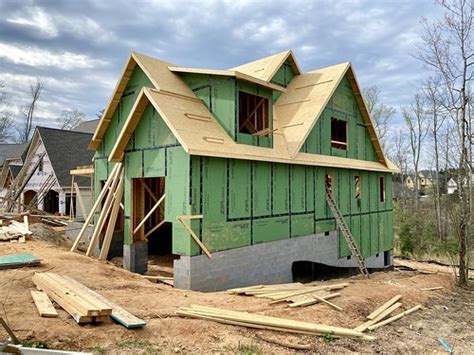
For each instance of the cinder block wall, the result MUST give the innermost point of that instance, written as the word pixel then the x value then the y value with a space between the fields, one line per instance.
pixel 266 263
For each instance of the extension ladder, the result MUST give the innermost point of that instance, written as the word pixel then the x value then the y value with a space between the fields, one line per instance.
pixel 346 233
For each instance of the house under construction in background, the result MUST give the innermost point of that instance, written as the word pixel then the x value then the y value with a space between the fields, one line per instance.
pixel 237 175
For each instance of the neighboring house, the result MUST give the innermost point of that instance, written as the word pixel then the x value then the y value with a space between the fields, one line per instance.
pixel 426 179
pixel 451 186
pixel 410 182
pixel 64 151
pixel 248 152
pixel 10 155
pixel 87 126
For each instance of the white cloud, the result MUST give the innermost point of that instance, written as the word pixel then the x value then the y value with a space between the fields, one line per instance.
pixel 33 56
pixel 39 20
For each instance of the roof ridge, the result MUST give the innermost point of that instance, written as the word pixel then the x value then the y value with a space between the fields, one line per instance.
pixel 63 130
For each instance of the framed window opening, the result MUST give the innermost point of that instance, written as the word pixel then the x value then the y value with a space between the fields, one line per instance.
pixel 382 188
pixel 254 115
pixel 338 134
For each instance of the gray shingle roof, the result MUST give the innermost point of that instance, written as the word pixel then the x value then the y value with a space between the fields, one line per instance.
pixel 87 126
pixel 15 169
pixel 67 150
pixel 11 151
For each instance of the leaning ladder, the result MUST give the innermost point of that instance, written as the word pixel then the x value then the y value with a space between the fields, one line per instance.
pixel 346 233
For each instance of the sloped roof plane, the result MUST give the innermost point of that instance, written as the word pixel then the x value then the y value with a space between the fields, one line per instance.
pixel 295 114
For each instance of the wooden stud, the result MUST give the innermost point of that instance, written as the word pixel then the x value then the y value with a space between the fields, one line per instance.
pixel 193 235
pixel 394 318
pixel 383 307
pixel 89 218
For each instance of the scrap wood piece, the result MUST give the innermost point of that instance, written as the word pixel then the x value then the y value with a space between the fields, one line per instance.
pixel 18 260
pixel 168 280
pixel 43 304
pixel 192 234
pixel 310 301
pixel 287 295
pixel 9 331
pixel 284 344
pixel 384 307
pixel 119 314
pixel 394 318
pixel 258 321
pixel 321 299
pixel 432 288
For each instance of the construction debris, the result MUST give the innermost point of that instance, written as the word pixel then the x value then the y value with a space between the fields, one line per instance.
pixel 383 307
pixel 14 231
pixel 394 318
pixel 168 280
pixel 43 304
pixel 432 288
pixel 297 294
pixel 258 321
pixel 14 261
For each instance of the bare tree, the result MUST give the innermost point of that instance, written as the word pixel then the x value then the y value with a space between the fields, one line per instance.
pixel 25 128
pixel 70 119
pixel 416 123
pixel 447 49
pixel 433 96
pixel 399 153
pixel 380 113
pixel 6 121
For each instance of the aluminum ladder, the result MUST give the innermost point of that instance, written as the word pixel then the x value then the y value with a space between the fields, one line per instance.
pixel 346 233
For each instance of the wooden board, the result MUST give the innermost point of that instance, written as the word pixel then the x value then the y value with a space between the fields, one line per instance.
pixel 18 260
pixel 119 314
pixel 43 304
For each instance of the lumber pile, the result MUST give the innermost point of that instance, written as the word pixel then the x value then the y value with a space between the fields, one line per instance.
pixel 258 321
pixel 378 317
pixel 82 303
pixel 82 307
pixel 14 231
pixel 296 294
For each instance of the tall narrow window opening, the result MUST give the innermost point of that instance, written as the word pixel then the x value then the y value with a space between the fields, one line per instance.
pixel 253 114
pixel 382 188
pixel 338 133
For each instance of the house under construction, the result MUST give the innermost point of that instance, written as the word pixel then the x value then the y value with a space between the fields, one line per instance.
pixel 238 174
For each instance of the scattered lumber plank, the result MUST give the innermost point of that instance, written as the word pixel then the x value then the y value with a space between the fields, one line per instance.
pixel 284 344
pixel 394 318
pixel 432 288
pixel 321 299
pixel 78 304
pixel 310 301
pixel 119 314
pixel 266 322
pixel 18 260
pixel 364 326
pixel 43 304
pixel 169 280
pixel 384 307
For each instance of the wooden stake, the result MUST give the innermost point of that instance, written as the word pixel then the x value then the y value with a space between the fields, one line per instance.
pixel 193 235
pixel 104 251
pixel 95 206
pixel 142 222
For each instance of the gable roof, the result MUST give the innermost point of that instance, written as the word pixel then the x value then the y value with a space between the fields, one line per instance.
pixel 87 126
pixel 66 150
pixel 295 114
pixel 267 67
pixel 15 169
pixel 9 151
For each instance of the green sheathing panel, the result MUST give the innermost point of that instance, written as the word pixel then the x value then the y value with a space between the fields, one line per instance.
pixel 218 94
pixel 245 203
pixel 342 106
pixel 254 89
pixel 284 75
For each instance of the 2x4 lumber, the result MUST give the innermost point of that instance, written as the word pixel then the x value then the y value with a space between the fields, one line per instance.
pixel 193 235
pixel 322 299
pixel 104 213
pixel 285 295
pixel 119 314
pixel 142 222
pixel 366 325
pixel 104 251
pixel 383 307
pixel 309 302
pixel 147 188
pixel 43 304
pixel 394 318
pixel 96 205
pixel 80 200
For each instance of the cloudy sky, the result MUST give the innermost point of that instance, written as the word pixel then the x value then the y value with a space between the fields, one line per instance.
pixel 78 48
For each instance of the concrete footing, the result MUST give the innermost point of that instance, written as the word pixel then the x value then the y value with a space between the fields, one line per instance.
pixel 135 257
pixel 266 263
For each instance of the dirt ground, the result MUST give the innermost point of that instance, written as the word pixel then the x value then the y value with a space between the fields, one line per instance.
pixel 446 313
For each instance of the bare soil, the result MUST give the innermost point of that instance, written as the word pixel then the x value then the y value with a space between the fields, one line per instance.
pixel 446 313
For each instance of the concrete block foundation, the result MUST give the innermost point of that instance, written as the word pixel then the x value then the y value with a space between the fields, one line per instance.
pixel 135 257
pixel 266 263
